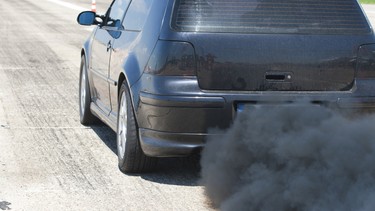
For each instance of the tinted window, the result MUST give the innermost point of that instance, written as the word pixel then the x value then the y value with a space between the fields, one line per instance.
pixel 117 12
pixel 137 14
pixel 270 16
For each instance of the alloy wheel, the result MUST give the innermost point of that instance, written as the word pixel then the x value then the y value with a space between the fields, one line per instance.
pixel 122 127
pixel 83 90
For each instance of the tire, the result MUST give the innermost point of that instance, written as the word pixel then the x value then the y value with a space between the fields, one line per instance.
pixel 131 158
pixel 86 117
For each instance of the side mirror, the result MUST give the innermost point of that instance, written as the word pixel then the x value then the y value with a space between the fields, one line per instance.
pixel 87 18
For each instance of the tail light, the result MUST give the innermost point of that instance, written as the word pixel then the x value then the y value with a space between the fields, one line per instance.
pixel 171 58
pixel 366 62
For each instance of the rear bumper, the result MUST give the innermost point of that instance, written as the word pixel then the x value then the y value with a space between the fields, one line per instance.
pixel 176 120
pixel 173 126
pixel 162 144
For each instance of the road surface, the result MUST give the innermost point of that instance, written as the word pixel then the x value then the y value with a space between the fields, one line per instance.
pixel 48 160
pixel 370 11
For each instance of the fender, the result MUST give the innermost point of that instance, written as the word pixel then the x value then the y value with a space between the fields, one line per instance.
pixel 86 51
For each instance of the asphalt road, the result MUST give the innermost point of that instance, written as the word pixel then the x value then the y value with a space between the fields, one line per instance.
pixel 48 160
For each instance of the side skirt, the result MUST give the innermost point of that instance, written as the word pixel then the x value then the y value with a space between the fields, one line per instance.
pixel 110 120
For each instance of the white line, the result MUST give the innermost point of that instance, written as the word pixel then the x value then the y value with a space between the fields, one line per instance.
pixel 74 7
pixel 41 128
pixel 69 5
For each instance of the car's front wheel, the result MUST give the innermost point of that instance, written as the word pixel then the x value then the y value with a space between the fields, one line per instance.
pixel 131 158
pixel 86 117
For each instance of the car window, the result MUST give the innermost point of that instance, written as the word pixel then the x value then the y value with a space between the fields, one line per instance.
pixel 117 11
pixel 270 16
pixel 136 16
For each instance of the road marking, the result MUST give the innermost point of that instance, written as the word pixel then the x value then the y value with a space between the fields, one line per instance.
pixel 41 128
pixel 69 5
pixel 72 6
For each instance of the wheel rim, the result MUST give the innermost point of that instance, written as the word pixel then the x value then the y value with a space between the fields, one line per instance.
pixel 122 127
pixel 83 90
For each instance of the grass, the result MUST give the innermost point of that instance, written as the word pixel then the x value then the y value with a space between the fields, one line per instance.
pixel 367 1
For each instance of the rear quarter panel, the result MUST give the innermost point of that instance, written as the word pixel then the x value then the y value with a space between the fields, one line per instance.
pixel 132 50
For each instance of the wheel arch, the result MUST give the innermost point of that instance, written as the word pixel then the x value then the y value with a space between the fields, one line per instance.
pixel 131 73
pixel 133 97
pixel 120 80
pixel 87 61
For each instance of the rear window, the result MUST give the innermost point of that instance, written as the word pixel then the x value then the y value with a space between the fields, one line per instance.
pixel 270 16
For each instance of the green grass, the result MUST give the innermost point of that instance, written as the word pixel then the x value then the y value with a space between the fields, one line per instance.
pixel 367 1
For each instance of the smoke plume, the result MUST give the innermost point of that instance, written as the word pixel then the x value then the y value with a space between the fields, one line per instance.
pixel 302 157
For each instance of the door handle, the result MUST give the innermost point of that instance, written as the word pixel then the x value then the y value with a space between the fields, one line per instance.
pixel 109 45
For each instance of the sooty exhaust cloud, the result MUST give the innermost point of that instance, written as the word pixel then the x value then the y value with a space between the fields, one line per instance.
pixel 301 157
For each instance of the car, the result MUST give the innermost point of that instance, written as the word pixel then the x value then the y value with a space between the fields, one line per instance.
pixel 161 73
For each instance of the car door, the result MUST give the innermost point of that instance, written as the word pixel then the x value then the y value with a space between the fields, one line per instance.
pixel 101 51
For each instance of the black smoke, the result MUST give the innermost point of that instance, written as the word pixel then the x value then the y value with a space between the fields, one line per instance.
pixel 298 157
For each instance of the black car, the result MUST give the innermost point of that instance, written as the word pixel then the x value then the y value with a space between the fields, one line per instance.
pixel 162 72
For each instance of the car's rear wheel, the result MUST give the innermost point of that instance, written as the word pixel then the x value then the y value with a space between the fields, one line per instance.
pixel 131 158
pixel 86 117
